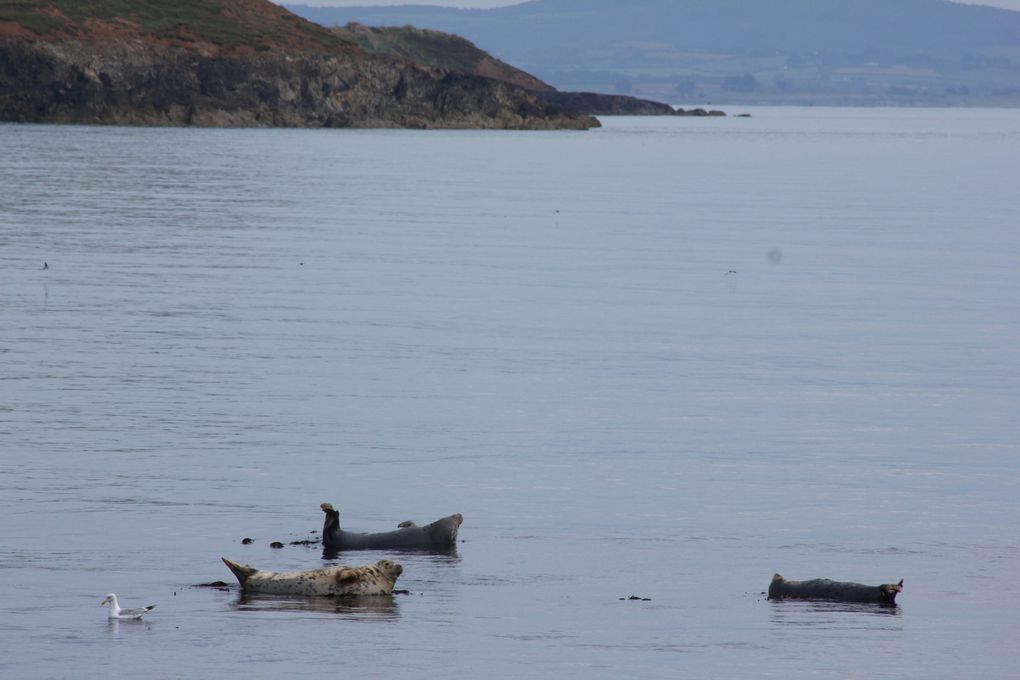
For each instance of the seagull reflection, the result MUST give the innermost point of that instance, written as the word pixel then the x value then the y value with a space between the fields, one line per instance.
pixel 113 626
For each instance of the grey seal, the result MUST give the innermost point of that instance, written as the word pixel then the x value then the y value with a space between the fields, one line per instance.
pixel 342 580
pixel 439 536
pixel 840 591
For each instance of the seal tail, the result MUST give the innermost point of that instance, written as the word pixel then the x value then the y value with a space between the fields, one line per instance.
pixel 241 571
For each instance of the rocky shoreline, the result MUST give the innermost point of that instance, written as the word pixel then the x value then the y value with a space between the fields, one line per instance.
pixel 132 84
pixel 598 104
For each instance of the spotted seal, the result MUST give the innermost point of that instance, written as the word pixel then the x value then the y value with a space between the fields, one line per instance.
pixel 841 591
pixel 374 579
pixel 441 535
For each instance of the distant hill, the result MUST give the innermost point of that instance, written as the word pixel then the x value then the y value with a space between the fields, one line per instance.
pixel 233 63
pixel 846 51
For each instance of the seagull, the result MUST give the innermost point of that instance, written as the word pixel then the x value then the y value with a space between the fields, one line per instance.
pixel 117 613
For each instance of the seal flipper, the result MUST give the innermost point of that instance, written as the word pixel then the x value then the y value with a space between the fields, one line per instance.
pixel 332 520
pixel 242 571
pixel 775 585
pixel 890 591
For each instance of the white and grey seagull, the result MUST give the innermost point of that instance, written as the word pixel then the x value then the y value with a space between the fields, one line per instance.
pixel 117 613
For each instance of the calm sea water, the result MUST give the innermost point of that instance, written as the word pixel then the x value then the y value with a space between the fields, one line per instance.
pixel 665 358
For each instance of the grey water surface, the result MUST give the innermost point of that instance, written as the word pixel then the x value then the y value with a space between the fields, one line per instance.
pixel 666 358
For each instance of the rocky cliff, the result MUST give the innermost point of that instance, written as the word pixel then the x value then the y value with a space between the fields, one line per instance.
pixel 233 63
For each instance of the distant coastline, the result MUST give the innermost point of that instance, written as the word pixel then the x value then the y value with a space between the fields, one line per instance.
pixel 731 52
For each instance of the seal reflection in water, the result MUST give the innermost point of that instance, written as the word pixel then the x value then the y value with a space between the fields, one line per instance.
pixel 374 579
pixel 839 591
pixel 377 607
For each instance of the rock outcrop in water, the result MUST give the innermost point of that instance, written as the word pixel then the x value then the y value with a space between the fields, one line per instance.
pixel 233 63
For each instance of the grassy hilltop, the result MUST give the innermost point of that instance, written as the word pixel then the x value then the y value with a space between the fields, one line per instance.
pixel 253 24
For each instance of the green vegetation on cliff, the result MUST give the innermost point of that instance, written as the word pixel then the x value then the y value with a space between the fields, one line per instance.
pixel 427 47
pixel 228 23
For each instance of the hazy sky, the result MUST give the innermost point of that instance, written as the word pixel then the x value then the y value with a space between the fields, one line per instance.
pixel 1008 4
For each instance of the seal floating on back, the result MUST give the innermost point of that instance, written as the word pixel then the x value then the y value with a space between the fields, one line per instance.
pixel 375 579
pixel 441 535
pixel 840 591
